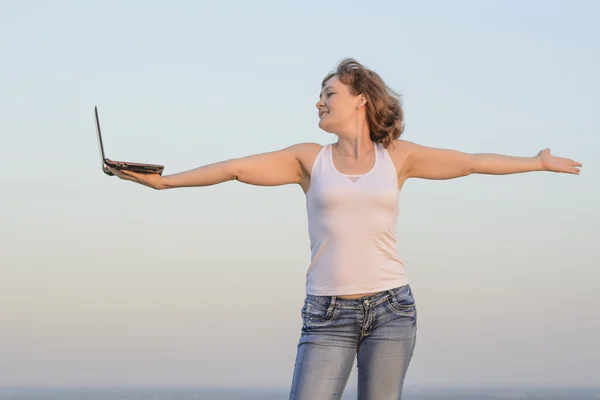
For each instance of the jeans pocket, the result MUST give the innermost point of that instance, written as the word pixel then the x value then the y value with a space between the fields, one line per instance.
pixel 317 312
pixel 401 300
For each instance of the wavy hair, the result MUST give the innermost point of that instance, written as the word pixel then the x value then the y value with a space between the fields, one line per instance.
pixel 384 109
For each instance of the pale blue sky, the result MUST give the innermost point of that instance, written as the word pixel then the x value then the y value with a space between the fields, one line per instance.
pixel 105 282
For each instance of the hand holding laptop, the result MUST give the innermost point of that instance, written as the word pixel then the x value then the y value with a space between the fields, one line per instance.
pixel 150 180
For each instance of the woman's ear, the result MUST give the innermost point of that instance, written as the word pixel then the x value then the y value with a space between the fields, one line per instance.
pixel 361 101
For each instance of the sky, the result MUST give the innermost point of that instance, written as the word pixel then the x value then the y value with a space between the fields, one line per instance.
pixel 103 282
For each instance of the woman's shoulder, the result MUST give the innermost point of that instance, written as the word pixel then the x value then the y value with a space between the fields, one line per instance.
pixel 307 153
pixel 400 145
pixel 400 149
pixel 308 146
pixel 307 149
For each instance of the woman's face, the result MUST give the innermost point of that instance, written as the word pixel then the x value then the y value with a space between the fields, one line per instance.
pixel 337 106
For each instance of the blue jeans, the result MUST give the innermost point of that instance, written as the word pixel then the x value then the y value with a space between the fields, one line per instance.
pixel 379 330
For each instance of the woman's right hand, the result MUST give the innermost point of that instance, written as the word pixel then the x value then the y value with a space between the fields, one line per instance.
pixel 153 181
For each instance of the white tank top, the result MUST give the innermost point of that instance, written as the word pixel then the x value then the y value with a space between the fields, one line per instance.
pixel 352 228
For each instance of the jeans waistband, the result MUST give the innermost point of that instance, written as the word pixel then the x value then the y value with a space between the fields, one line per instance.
pixel 366 301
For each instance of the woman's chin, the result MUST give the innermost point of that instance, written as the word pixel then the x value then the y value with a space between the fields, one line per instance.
pixel 324 126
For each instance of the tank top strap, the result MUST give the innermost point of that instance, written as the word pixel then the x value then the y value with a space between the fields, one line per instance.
pixel 319 164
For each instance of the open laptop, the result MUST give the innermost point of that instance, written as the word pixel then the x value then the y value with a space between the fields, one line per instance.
pixel 125 165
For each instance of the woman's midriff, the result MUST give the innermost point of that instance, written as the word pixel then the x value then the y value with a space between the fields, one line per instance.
pixel 355 296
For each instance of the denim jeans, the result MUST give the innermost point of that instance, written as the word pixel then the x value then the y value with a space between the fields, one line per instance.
pixel 379 330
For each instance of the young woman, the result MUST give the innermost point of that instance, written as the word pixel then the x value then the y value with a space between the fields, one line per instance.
pixel 358 301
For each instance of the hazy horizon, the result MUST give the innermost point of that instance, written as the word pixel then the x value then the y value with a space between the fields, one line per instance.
pixel 103 282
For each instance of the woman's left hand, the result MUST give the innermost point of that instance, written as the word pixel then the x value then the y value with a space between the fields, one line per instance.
pixel 153 181
pixel 557 164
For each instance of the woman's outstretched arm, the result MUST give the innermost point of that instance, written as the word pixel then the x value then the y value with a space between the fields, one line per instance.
pixel 274 168
pixel 431 163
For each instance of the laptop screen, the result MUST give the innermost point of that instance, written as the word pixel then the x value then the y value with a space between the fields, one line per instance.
pixel 99 136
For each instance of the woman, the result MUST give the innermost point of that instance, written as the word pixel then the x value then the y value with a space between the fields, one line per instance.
pixel 358 301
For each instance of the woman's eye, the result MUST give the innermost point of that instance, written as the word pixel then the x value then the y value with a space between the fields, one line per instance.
pixel 329 94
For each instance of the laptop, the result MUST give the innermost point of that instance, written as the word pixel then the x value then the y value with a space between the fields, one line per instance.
pixel 125 165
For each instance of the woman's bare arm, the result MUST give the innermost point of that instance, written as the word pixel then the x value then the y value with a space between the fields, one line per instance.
pixel 431 163
pixel 273 168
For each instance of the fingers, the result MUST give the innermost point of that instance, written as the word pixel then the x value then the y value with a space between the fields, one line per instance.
pixel 121 174
pixel 128 173
pixel 115 172
pixel 572 170
pixel 571 164
pixel 567 165
pixel 569 161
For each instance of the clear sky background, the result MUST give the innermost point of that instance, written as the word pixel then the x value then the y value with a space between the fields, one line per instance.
pixel 106 282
